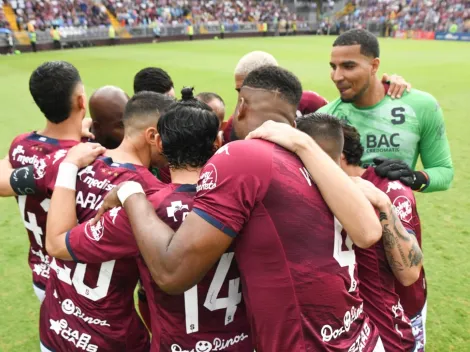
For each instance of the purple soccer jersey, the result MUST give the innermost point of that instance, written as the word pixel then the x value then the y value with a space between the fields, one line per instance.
pixel 89 305
pixel 412 297
pixel 377 288
pixel 31 149
pixel 209 315
pixel 297 266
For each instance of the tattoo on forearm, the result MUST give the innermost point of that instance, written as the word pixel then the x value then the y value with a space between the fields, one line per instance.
pixel 415 256
pixel 388 239
pixel 405 236
pixel 382 216
pixel 394 264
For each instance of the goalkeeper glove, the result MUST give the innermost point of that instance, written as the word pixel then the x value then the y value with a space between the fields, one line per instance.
pixel 394 169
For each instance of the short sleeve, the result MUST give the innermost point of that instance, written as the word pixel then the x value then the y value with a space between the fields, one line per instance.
pixel 232 183
pixel 109 239
pixel 404 203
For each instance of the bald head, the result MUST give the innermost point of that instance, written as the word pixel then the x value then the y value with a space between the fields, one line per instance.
pixel 251 62
pixel 107 106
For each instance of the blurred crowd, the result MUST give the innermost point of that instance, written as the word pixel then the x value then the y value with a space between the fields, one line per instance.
pixel 429 15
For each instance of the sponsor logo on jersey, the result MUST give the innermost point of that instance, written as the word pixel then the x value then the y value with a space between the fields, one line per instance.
pixel 382 143
pixel 176 207
pixel 40 169
pixel 69 308
pixel 114 213
pixel 87 176
pixel 349 318
pixel 59 155
pixel 403 208
pixel 79 340
pixel 394 186
pixel 96 231
pixel 208 180
pixel 216 345
pixel 362 339
pixel 18 150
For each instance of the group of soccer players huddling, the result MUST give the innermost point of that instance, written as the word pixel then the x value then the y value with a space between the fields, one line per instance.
pixel 290 227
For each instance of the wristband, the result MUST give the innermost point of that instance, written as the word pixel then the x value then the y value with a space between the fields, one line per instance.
pixel 128 189
pixel 67 176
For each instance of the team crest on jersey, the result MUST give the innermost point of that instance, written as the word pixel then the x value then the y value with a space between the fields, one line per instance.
pixel 394 186
pixel 40 169
pixel 208 180
pixel 176 207
pixel 96 231
pixel 403 208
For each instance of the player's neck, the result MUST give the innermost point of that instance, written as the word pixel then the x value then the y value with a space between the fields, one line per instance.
pixel 357 171
pixel 70 129
pixel 188 176
pixel 129 152
pixel 374 94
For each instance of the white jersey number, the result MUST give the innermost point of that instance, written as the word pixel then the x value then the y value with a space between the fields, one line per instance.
pixel 345 258
pixel 92 293
pixel 31 224
pixel 212 302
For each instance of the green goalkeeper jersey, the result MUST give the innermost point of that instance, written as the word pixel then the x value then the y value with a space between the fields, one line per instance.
pixel 403 129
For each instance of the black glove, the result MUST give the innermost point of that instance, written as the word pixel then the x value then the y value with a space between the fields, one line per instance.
pixel 394 169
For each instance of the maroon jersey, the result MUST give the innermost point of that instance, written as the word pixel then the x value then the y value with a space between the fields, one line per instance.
pixel 89 305
pixel 377 288
pixel 30 149
pixel 412 297
pixel 297 267
pixel 310 102
pixel 211 313
pixel 228 130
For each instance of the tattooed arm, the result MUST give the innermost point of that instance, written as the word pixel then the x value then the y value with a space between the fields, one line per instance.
pixel 401 247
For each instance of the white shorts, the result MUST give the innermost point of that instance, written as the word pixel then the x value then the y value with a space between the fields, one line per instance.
pixel 44 348
pixel 418 324
pixel 40 293
pixel 379 347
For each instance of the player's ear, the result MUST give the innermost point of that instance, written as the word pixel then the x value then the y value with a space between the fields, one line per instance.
pixel 150 134
pixel 219 141
pixel 159 143
pixel 342 161
pixel 240 111
pixel 294 124
pixel 375 66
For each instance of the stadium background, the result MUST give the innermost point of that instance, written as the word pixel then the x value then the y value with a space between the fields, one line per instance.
pixel 441 68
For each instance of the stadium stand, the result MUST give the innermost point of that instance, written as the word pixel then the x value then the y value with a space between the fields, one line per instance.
pixel 431 15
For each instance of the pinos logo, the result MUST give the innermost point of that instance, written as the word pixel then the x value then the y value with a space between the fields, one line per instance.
pixel 96 231
pixel 91 181
pixel 208 179
pixel 403 208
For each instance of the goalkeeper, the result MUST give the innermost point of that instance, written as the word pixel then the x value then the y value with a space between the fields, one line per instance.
pixel 393 132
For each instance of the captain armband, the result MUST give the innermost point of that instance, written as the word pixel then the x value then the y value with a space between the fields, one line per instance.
pixel 22 180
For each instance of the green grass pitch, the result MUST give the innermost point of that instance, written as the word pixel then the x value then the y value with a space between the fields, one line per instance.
pixel 441 68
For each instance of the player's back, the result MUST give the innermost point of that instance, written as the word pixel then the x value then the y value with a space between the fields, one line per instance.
pixel 412 297
pixel 297 266
pixel 377 288
pixel 210 316
pixel 94 301
pixel 31 149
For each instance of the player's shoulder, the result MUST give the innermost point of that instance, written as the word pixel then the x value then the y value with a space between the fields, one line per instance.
pixel 20 138
pixel 419 100
pixel 244 148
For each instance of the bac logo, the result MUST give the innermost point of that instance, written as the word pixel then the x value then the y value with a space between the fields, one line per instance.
pixel 382 141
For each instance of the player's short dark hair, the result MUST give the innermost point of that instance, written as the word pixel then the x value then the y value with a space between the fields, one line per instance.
pixel 323 128
pixel 207 97
pixel 368 42
pixel 145 104
pixel 353 149
pixel 52 86
pixel 274 78
pixel 188 131
pixel 152 79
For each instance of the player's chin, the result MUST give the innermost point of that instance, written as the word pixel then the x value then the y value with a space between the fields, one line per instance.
pixel 346 98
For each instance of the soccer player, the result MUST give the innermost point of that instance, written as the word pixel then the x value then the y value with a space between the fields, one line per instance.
pixel 91 305
pixel 154 79
pixel 106 107
pixel 412 297
pixel 58 91
pixel 209 314
pixel 401 129
pixel 297 270
pixel 310 101
pixel 380 264
pixel 215 102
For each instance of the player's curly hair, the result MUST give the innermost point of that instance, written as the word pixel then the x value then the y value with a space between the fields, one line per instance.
pixel 188 131
pixel 353 149
pixel 152 79
pixel 278 79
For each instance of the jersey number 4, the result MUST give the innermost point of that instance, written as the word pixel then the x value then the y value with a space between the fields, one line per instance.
pixel 345 258
pixel 31 223
pixel 212 303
